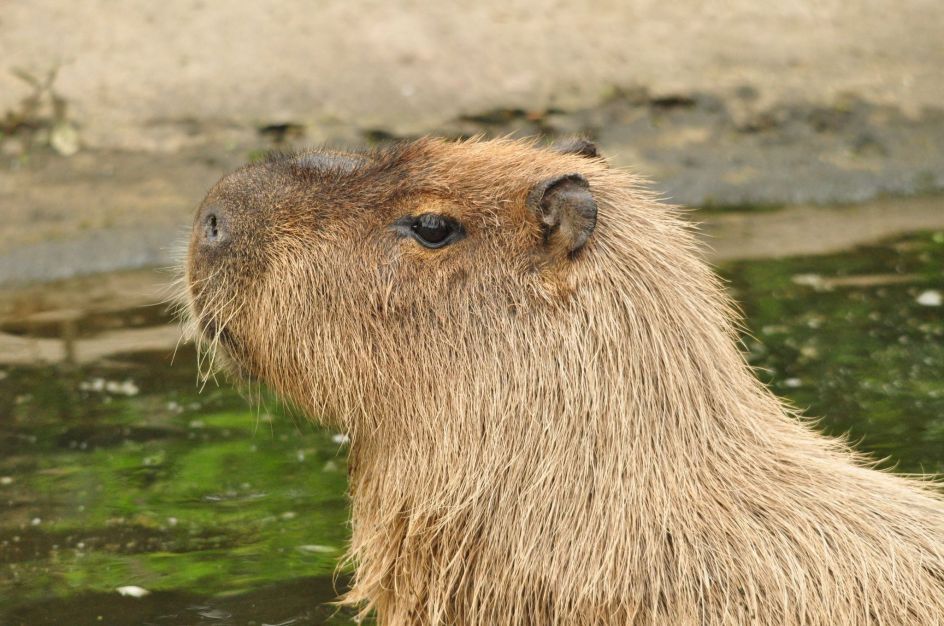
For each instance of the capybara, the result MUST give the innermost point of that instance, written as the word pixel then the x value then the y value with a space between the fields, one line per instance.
pixel 551 420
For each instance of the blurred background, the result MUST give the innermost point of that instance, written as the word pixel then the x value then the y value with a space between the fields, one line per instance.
pixel 807 137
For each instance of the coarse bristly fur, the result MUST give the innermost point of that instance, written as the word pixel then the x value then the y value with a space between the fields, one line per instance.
pixel 540 437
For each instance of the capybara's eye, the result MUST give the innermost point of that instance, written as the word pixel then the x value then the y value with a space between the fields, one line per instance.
pixel 431 229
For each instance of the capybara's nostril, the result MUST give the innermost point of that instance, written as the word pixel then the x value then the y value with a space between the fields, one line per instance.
pixel 213 227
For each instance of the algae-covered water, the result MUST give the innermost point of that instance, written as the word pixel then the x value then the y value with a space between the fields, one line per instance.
pixel 118 473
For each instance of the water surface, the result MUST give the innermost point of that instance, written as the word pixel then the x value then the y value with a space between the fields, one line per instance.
pixel 117 471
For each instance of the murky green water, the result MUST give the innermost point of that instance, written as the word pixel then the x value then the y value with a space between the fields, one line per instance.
pixel 120 473
pixel 858 340
pixel 225 513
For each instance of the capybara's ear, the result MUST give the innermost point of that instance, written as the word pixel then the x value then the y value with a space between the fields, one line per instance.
pixel 567 210
pixel 577 145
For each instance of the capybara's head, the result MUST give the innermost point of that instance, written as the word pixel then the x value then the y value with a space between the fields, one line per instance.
pixel 422 279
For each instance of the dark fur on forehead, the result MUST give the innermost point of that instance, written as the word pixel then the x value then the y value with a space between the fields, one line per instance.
pixel 368 177
pixel 577 145
pixel 340 161
pixel 344 163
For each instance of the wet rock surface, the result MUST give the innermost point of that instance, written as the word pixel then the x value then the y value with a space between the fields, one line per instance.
pixel 105 210
pixel 702 151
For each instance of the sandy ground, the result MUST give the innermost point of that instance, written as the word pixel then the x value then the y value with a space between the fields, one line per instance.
pixel 138 74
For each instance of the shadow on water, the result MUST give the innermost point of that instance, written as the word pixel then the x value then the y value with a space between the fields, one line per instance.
pixel 278 605
pixel 115 471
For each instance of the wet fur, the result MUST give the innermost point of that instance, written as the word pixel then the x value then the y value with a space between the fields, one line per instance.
pixel 539 439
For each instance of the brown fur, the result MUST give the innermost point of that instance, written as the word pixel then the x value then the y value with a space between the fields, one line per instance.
pixel 540 439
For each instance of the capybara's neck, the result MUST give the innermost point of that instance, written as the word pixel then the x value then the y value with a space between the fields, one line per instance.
pixel 612 459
